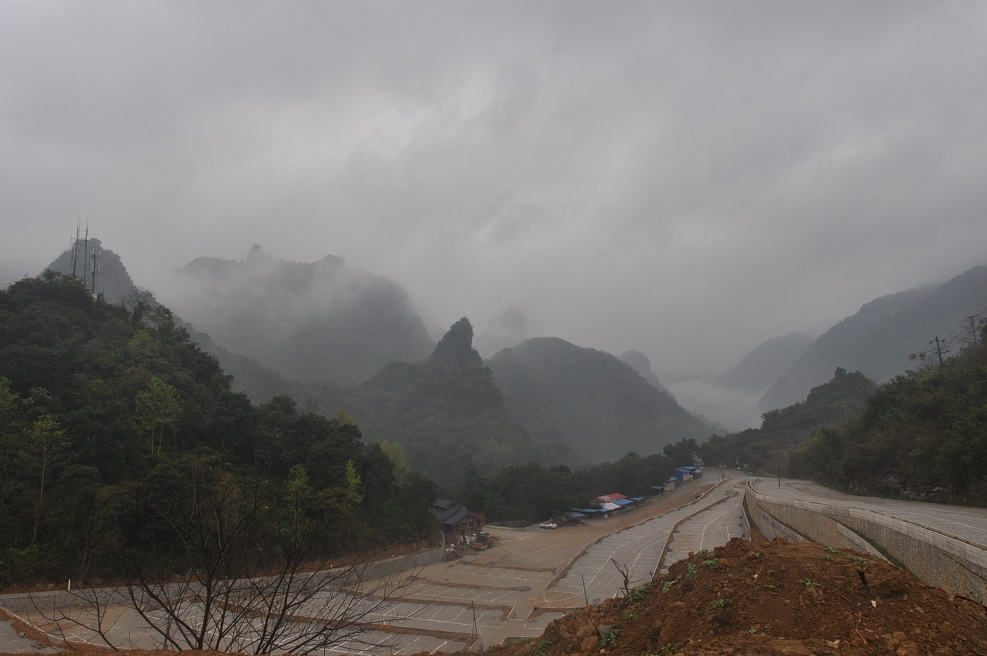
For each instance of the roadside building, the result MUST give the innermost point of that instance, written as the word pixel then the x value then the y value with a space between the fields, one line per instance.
pixel 692 472
pixel 457 521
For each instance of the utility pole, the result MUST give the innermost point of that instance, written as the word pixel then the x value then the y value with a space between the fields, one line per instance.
pixel 94 269
pixel 75 251
pixel 938 348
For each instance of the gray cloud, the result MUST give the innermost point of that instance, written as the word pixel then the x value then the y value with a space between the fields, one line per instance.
pixel 684 179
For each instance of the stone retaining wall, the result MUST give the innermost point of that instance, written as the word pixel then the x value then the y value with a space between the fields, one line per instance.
pixel 47 601
pixel 956 565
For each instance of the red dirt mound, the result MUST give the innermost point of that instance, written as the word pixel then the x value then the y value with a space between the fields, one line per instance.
pixel 758 598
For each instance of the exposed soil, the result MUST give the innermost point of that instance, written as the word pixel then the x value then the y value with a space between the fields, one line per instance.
pixel 759 598
pixel 766 599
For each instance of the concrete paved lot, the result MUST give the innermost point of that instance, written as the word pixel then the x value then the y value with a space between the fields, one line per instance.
pixel 530 578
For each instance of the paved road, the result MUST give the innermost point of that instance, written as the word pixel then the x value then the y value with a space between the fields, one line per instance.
pixel 713 527
pixel 966 523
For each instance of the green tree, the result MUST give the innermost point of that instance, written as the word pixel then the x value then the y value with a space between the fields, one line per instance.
pixel 44 448
pixel 399 460
pixel 682 453
pixel 10 436
pixel 158 409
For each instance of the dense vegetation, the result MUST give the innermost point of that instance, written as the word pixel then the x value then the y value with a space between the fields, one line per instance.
pixel 584 406
pixel 532 492
pixel 445 413
pixel 545 400
pixel 922 435
pixel 880 337
pixel 552 402
pixel 770 447
pixel 115 428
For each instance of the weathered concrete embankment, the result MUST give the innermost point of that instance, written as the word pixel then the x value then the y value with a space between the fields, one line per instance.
pixel 951 563
pixel 343 577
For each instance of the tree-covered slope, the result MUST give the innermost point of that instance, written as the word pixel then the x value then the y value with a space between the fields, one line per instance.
pixel 585 406
pixel 879 339
pixel 770 447
pixel 112 280
pixel 112 420
pixel 922 435
pixel 445 412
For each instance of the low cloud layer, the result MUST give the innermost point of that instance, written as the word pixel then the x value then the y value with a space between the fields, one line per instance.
pixel 683 179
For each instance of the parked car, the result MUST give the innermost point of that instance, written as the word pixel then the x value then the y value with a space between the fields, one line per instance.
pixel 548 524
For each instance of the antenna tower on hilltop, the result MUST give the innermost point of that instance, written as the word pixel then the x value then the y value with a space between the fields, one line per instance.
pixel 89 252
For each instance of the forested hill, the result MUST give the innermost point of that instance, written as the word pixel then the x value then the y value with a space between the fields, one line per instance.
pixel 881 336
pixel 773 445
pixel 115 427
pixel 446 413
pixel 586 406
pixel 921 436
pixel 113 281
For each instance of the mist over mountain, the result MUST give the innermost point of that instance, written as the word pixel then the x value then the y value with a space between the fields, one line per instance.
pixel 312 330
pixel 312 322
pixel 833 403
pixel 506 329
pixel 763 364
pixel 445 412
pixel 586 406
pixel 112 279
pixel 730 399
pixel 881 336
pixel 640 363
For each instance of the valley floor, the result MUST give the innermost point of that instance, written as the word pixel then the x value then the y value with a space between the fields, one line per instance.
pixel 531 577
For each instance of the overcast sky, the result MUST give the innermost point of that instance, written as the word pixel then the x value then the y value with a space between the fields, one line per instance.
pixel 682 178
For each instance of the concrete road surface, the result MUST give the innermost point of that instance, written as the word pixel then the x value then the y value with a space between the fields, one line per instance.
pixel 531 577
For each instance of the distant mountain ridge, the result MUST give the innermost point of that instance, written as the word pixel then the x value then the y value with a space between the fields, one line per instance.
pixel 323 333
pixel 585 405
pixel 640 363
pixel 445 412
pixel 765 363
pixel 879 338
pixel 312 322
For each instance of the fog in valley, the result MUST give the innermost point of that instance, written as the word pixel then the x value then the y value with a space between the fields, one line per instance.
pixel 686 180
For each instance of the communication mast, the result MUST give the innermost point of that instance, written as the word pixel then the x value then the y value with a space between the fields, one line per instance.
pixel 88 251
pixel 74 248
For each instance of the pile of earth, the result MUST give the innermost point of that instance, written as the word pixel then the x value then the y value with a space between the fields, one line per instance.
pixel 777 598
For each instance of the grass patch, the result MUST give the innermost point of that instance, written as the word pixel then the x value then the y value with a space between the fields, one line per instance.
pixel 884 552
pixel 610 639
